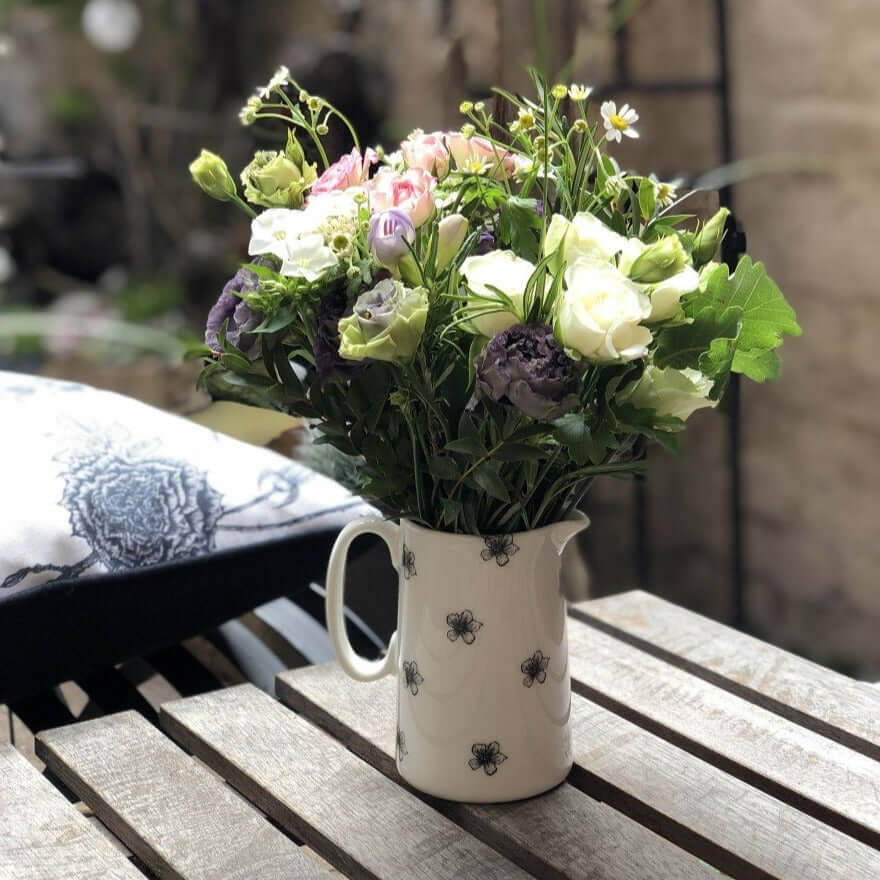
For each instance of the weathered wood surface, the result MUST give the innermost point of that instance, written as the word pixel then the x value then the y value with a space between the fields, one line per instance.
pixel 360 821
pixel 811 695
pixel 175 816
pixel 835 784
pixel 43 837
pixel 736 827
pixel 564 833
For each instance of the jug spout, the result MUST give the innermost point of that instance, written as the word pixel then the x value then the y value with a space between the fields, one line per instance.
pixel 562 532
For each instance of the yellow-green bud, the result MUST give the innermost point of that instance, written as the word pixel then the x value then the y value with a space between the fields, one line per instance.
pixel 659 261
pixel 314 103
pixel 303 96
pixel 352 272
pixel 709 237
pixel 321 129
pixel 209 171
pixel 559 91
pixel 526 120
pixel 580 126
pixel 465 106
pixel 468 131
pixel 293 149
pixel 479 106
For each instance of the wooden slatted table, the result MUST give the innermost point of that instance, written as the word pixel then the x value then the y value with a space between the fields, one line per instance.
pixel 699 752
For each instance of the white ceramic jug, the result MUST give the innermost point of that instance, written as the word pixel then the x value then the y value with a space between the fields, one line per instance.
pixel 480 655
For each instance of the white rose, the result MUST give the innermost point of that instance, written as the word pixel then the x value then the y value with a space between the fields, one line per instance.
pixel 669 392
pixel 501 269
pixel 585 235
pixel 601 311
pixel 666 296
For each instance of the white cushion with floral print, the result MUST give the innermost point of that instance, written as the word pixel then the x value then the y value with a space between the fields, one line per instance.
pixel 92 481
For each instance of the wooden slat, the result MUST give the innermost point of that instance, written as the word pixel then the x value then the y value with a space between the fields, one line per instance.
pixel 811 695
pixel 357 819
pixel 740 829
pixel 43 837
pixel 564 833
pixel 181 821
pixel 831 782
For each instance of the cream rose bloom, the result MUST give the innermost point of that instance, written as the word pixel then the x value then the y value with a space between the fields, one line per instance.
pixel 585 235
pixel 666 296
pixel 669 392
pixel 501 269
pixel 600 313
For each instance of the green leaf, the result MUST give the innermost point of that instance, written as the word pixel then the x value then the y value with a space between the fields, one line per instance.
pixel 572 431
pixel 487 478
pixel 766 315
pixel 467 446
pixel 758 365
pixel 519 225
pixel 443 467
pixel 647 203
pixel 512 451
pixel 281 319
pixel 685 345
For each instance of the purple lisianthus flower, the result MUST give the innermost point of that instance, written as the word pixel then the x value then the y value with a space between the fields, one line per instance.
pixel 240 318
pixel 526 366
pixel 388 236
pixel 485 243
pixel 331 367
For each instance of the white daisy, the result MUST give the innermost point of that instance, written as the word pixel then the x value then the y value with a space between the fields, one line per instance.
pixel 665 192
pixel 619 123
pixel 579 93
pixel 308 257
pixel 279 79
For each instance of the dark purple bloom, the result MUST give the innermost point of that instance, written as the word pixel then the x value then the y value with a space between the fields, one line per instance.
pixel 331 367
pixel 526 366
pixel 485 243
pixel 239 317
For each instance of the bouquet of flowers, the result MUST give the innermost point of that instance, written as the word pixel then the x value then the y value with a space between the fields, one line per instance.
pixel 482 321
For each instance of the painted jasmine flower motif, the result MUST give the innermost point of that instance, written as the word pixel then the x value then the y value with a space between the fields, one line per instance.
pixel 579 93
pixel 619 123
pixel 279 79
pixel 401 746
pixel 411 676
pixel 462 625
pixel 488 756
pixel 408 562
pixel 534 669
pixel 498 547
pixel 308 257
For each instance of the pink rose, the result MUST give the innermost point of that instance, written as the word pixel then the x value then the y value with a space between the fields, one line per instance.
pixel 411 191
pixel 433 153
pixel 350 170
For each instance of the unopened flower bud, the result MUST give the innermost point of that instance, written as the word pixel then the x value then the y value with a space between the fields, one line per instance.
pixel 314 103
pixel 479 106
pixel 389 235
pixel 321 129
pixel 466 107
pixel 659 261
pixel 709 237
pixel 468 131
pixel 209 171
pixel 451 233
pixel 559 91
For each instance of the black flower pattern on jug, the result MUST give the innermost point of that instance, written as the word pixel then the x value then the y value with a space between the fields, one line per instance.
pixel 488 756
pixel 534 669
pixel 411 676
pixel 408 563
pixel 401 745
pixel 498 547
pixel 462 625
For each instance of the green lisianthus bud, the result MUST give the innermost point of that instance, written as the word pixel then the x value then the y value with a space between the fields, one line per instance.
pixel 669 392
pixel 209 171
pixel 659 261
pixel 709 237
pixel 387 323
pixel 294 150
pixel 451 233
pixel 273 180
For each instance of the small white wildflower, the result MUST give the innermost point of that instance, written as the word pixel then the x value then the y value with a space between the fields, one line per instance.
pixel 279 79
pixel 615 184
pixel 525 120
pixel 619 123
pixel 665 192
pixel 579 93
pixel 248 113
pixel 479 106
